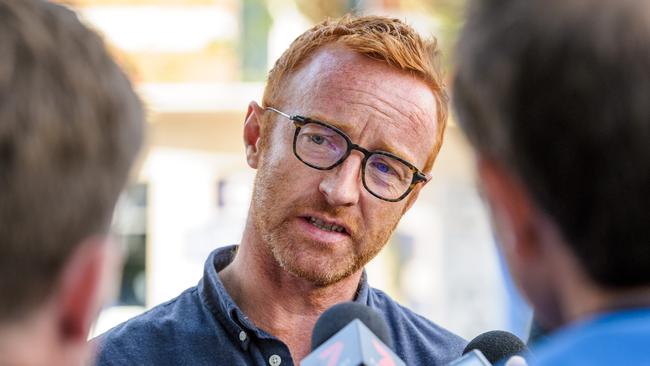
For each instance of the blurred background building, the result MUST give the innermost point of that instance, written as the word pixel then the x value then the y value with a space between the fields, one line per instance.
pixel 197 65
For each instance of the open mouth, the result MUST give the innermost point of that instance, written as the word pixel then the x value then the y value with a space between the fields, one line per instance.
pixel 325 226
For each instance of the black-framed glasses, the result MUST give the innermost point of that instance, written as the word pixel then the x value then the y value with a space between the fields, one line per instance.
pixel 323 147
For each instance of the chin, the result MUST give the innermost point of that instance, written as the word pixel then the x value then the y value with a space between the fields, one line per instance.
pixel 320 278
pixel 548 321
pixel 546 307
pixel 319 271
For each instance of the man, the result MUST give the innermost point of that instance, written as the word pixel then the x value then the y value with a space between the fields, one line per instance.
pixel 351 122
pixel 70 127
pixel 553 94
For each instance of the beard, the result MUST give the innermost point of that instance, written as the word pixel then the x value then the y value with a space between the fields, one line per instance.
pixel 275 209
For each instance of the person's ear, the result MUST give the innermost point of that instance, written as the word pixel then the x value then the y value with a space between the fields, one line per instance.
pixel 252 137
pixel 88 278
pixel 513 212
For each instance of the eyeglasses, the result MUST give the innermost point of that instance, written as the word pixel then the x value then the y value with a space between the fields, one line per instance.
pixel 323 147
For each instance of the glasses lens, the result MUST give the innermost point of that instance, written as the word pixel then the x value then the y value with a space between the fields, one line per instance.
pixel 320 146
pixel 387 177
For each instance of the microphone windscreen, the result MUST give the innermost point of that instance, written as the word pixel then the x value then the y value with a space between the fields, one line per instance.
pixel 340 315
pixel 497 345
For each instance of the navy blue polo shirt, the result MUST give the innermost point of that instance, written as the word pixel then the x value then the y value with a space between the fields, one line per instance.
pixel 204 326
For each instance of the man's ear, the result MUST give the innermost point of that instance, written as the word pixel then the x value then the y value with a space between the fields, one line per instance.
pixel 252 135
pixel 88 278
pixel 513 211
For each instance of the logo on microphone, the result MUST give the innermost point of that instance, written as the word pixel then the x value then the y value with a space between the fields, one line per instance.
pixel 386 359
pixel 332 353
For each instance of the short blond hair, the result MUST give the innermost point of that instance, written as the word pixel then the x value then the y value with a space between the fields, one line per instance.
pixel 385 39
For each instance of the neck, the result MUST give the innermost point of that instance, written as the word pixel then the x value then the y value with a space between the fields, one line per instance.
pixel 277 301
pixel 592 300
pixel 582 298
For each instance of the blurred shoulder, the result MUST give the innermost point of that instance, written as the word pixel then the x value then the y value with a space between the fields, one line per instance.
pixel 610 339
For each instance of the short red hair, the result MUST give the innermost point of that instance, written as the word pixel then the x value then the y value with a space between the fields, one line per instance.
pixel 385 39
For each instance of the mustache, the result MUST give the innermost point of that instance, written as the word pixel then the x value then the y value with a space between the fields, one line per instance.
pixel 351 219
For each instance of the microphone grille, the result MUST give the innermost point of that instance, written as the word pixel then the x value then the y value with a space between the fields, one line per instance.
pixel 497 345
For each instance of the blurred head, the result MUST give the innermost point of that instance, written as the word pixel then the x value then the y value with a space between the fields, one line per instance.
pixel 377 81
pixel 70 127
pixel 553 95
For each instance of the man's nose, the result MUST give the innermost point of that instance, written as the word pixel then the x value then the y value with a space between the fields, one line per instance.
pixel 341 186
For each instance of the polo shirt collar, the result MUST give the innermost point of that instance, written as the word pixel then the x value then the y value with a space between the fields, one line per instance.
pixel 217 300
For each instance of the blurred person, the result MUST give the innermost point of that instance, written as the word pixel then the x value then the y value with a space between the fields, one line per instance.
pixel 553 95
pixel 70 127
pixel 351 122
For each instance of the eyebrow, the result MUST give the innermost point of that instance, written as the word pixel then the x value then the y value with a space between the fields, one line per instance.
pixel 383 147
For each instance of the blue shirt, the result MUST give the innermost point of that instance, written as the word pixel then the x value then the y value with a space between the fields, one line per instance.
pixel 618 338
pixel 204 326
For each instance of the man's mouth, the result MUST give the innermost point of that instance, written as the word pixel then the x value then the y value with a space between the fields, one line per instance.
pixel 326 226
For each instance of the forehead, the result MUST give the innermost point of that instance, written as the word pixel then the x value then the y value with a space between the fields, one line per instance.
pixel 378 106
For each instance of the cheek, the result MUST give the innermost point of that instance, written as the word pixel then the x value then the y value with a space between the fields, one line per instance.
pixel 381 217
pixel 503 232
pixel 274 156
pixel 282 175
pixel 277 142
pixel 544 301
pixel 276 160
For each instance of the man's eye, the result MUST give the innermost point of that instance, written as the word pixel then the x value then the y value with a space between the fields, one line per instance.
pixel 317 139
pixel 384 168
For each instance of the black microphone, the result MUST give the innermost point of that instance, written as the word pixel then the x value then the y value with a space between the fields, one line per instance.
pixel 351 334
pixel 495 347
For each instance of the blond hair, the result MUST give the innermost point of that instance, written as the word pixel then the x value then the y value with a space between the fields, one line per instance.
pixel 385 39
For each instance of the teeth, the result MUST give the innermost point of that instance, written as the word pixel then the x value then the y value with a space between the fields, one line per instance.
pixel 327 227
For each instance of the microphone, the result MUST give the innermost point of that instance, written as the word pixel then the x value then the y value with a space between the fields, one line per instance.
pixel 351 334
pixel 490 348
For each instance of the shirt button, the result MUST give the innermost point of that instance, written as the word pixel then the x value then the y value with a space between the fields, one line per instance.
pixel 242 336
pixel 275 360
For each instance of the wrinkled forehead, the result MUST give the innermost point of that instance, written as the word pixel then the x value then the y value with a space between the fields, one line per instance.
pixel 334 66
pixel 376 104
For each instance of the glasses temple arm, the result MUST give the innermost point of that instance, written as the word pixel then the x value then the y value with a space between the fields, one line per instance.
pixel 424 177
pixel 278 112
